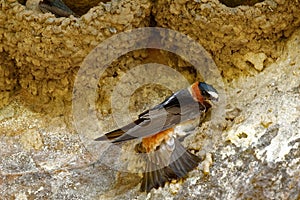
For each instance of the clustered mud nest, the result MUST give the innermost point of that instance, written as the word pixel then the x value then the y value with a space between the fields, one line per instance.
pixel 45 51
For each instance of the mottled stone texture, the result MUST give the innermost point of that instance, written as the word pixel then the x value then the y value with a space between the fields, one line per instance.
pixel 230 33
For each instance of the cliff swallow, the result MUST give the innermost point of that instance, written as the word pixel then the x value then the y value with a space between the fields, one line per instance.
pixel 160 128
pixel 57 7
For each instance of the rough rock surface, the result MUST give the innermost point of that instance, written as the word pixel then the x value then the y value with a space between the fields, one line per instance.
pixel 255 156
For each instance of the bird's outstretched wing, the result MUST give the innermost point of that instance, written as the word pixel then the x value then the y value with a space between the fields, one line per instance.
pixel 170 161
pixel 178 108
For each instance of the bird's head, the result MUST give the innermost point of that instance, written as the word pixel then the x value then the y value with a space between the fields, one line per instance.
pixel 208 92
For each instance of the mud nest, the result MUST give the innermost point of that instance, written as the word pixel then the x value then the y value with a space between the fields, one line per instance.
pixel 42 53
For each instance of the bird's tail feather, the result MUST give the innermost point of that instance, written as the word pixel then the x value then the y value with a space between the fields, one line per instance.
pixel 111 135
pixel 115 135
pixel 183 161
pixel 155 178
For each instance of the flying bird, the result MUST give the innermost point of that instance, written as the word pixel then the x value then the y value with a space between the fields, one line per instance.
pixel 161 129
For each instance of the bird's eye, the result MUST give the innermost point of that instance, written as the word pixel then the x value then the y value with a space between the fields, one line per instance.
pixel 205 93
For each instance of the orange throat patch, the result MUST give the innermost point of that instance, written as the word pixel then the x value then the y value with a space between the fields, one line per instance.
pixel 197 93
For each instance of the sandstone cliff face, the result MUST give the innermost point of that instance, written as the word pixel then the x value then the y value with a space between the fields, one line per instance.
pixel 254 146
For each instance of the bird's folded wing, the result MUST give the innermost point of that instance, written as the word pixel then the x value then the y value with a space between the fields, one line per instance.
pixel 178 108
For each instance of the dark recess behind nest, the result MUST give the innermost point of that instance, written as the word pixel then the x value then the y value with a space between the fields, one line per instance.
pixel 79 7
pixel 235 3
